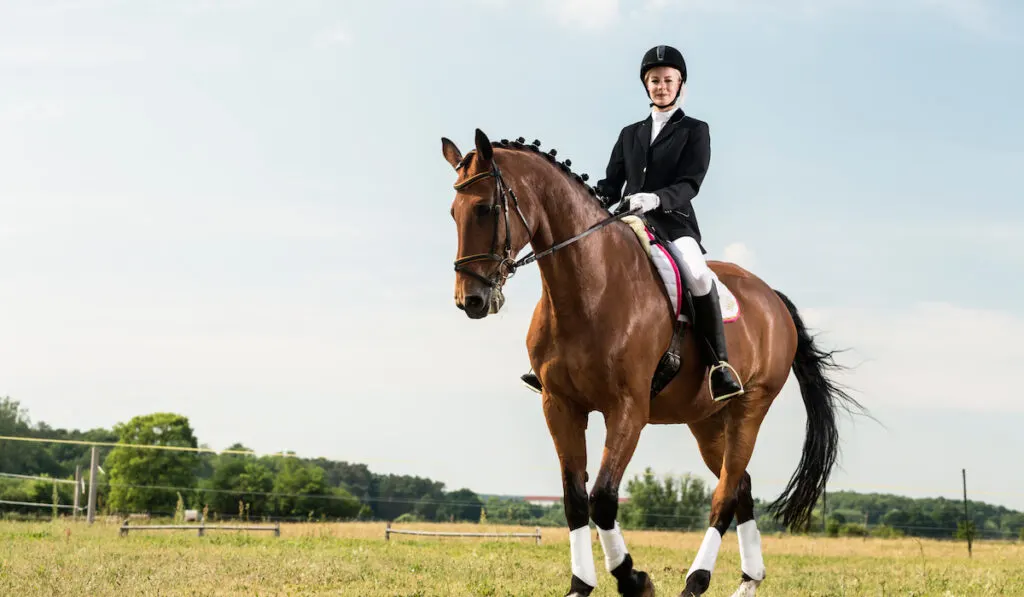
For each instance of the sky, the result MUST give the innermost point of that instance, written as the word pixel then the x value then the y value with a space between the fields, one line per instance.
pixel 238 211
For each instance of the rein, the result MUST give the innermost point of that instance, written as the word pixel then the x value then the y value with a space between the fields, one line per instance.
pixel 507 265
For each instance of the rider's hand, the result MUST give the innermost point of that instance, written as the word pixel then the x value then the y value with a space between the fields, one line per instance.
pixel 644 201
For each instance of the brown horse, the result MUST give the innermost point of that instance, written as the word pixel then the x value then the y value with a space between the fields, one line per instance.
pixel 600 328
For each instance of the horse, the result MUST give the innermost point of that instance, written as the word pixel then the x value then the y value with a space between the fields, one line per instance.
pixel 601 326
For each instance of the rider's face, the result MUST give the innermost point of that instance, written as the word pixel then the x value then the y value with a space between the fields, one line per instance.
pixel 663 83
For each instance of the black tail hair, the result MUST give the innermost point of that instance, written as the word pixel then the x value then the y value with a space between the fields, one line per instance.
pixel 822 398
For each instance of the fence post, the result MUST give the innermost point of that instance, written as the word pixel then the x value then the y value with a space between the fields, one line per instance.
pixel 538 535
pixel 387 532
pixel 78 487
pixel 124 528
pixel 201 527
pixel 277 530
pixel 967 516
pixel 94 464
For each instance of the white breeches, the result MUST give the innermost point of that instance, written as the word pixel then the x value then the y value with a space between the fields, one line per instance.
pixel 699 277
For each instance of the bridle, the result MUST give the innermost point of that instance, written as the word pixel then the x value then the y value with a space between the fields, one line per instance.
pixel 507 265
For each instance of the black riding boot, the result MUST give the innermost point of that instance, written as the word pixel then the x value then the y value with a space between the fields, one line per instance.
pixel 531 381
pixel 724 382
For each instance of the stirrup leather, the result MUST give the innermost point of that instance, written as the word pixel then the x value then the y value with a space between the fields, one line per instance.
pixel 736 376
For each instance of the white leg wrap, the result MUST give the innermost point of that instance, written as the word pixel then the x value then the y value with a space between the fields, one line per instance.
pixel 613 545
pixel 751 560
pixel 708 552
pixel 583 555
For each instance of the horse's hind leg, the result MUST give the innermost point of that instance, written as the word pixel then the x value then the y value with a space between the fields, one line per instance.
pixel 623 431
pixel 727 441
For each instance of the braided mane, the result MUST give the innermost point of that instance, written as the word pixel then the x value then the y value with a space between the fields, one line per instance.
pixel 521 145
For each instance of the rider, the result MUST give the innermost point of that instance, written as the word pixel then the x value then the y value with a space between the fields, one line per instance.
pixel 662 160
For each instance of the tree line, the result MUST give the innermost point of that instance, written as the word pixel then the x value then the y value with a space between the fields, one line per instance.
pixel 160 482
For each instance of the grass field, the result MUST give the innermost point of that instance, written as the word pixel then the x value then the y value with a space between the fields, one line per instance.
pixel 72 559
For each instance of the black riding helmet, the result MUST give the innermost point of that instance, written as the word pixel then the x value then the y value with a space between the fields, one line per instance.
pixel 664 56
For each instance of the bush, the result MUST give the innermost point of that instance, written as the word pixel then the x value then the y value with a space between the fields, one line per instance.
pixel 853 529
pixel 965 530
pixel 886 532
pixel 832 527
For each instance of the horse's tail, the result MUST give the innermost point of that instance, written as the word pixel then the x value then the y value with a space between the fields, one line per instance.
pixel 822 398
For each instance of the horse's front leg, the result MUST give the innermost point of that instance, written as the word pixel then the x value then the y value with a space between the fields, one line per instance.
pixel 567 425
pixel 623 431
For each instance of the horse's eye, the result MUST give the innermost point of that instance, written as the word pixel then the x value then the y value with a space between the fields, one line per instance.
pixel 483 210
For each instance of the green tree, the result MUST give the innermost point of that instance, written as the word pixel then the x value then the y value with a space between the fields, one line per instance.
pixel 390 496
pixel 462 504
pixel 136 475
pixel 674 502
pixel 236 477
pixel 303 492
pixel 22 457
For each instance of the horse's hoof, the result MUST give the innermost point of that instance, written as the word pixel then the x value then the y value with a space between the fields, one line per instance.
pixel 648 586
pixel 638 584
pixel 697 584
pixel 748 588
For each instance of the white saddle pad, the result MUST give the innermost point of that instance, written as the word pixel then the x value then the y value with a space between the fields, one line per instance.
pixel 673 279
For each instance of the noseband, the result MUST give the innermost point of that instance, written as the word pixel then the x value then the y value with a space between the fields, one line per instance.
pixel 507 266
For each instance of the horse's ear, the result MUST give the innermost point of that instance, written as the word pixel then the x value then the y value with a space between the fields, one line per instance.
pixel 450 152
pixel 483 146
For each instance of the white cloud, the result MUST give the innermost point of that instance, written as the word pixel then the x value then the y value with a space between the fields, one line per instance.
pixel 587 14
pixel 977 16
pixel 338 35
pixel 32 111
pixel 928 354
pixel 740 254
pixel 60 54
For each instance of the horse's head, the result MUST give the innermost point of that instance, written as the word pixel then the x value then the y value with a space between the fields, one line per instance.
pixel 490 226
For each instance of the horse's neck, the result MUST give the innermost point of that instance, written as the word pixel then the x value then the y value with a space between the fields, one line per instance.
pixel 573 277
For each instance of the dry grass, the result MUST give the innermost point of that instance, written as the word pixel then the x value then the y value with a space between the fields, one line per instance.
pixel 64 559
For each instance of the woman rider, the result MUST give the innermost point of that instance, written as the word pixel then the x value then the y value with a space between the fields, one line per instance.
pixel 662 161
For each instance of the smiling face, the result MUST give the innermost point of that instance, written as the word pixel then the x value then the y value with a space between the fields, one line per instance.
pixel 663 83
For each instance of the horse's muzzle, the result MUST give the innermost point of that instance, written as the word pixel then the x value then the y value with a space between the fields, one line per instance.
pixel 481 303
pixel 476 304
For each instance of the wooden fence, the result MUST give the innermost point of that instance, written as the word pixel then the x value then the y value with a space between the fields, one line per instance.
pixel 200 528
pixel 388 531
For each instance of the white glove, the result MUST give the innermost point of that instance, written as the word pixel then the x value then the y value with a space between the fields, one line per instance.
pixel 645 201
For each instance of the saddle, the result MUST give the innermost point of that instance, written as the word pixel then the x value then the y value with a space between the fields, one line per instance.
pixel 666 260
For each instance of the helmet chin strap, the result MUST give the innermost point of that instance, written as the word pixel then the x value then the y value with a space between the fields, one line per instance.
pixel 672 103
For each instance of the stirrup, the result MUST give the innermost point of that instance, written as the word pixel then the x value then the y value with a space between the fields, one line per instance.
pixel 735 375
pixel 532 387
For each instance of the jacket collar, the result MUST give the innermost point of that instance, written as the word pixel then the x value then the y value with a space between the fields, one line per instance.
pixel 643 132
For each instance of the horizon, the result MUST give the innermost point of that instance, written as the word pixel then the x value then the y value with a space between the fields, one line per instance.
pixel 203 447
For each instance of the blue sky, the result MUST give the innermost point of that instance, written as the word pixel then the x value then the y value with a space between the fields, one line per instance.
pixel 238 211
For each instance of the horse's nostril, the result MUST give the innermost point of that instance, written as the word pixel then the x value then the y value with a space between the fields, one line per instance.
pixel 474 302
